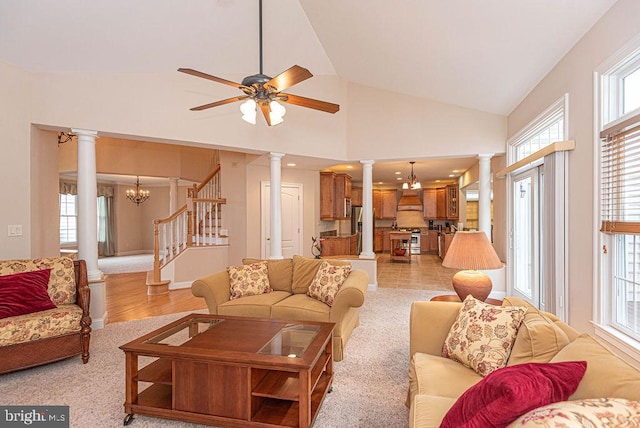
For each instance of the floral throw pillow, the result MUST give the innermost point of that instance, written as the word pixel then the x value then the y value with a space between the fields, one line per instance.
pixel 249 280
pixel 592 412
pixel 482 336
pixel 327 282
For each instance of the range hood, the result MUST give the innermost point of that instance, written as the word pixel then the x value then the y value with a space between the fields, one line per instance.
pixel 409 211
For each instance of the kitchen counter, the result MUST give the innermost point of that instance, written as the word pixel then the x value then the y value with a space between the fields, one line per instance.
pixel 338 245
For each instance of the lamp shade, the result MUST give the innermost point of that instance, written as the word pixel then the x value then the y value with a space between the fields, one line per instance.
pixel 471 250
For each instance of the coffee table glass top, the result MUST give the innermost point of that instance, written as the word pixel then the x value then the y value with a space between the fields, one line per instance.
pixel 292 341
pixel 184 332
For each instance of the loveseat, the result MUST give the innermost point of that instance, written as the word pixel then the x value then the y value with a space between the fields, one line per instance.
pixel 436 383
pixel 61 330
pixel 289 280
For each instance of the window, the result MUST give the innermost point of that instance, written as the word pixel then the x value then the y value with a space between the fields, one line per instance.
pixel 533 232
pixel 619 202
pixel 68 219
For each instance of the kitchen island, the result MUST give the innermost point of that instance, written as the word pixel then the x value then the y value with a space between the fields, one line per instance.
pixel 400 246
pixel 343 245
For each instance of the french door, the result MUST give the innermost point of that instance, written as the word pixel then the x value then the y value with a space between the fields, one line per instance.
pixel 526 236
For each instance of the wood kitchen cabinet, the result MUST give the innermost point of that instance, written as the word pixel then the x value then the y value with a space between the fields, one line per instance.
pixel 356 196
pixel 389 203
pixel 430 204
pixel 335 196
pixel 452 202
pixel 386 240
pixel 441 203
pixel 377 241
pixel 433 241
pixel 339 245
pixel 377 203
pixel 424 241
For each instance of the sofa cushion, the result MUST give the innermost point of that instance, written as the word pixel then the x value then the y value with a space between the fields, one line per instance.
pixel 507 393
pixel 248 280
pixel 539 338
pixel 607 374
pixel 280 273
pixel 327 282
pixel 482 335
pixel 428 410
pixel 258 306
pixel 24 293
pixel 64 319
pixel 305 269
pixel 433 375
pixel 302 308
pixel 594 412
pixel 62 280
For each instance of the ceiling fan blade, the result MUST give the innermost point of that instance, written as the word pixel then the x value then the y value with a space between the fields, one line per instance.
pixel 309 103
pixel 288 78
pixel 219 103
pixel 266 112
pixel 210 77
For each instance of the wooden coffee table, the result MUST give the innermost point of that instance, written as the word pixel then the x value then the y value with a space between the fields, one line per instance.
pixel 230 371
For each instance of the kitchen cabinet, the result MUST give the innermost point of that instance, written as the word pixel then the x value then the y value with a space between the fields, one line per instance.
pixel 327 195
pixel 356 196
pixel 445 242
pixel 430 204
pixel 343 196
pixel 377 241
pixel 339 245
pixel 377 203
pixel 335 196
pixel 389 203
pixel 452 202
pixel 433 241
pixel 424 241
pixel 386 242
pixel 441 203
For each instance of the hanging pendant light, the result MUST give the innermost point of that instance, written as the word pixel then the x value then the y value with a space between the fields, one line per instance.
pixel 412 181
pixel 138 195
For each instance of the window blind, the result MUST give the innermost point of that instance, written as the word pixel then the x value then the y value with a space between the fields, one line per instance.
pixel 620 177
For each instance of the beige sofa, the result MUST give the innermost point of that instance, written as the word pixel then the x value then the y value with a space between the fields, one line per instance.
pixel 435 383
pixel 53 334
pixel 290 279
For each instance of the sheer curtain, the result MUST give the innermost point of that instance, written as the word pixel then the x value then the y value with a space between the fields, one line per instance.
pixel 106 222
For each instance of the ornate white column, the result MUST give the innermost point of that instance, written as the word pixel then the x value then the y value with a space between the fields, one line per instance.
pixel 484 193
pixel 173 194
pixel 275 245
pixel 87 207
pixel 367 210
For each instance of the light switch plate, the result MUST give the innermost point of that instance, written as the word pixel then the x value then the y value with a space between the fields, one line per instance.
pixel 15 230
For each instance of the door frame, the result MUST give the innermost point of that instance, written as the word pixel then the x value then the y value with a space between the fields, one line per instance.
pixel 265 193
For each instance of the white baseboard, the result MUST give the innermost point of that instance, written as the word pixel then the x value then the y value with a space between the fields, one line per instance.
pixel 180 285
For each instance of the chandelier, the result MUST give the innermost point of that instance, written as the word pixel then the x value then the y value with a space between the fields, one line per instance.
pixel 412 181
pixel 138 195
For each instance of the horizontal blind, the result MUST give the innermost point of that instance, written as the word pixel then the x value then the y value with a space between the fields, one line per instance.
pixel 620 179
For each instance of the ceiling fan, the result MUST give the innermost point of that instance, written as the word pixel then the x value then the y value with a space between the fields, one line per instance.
pixel 265 92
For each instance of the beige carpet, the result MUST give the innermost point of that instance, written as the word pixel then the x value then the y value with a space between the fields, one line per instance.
pixel 126 264
pixel 369 387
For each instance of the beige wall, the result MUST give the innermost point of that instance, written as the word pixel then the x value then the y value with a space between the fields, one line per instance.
pixel 574 75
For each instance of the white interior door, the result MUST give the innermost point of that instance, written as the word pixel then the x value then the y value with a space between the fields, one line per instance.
pixel 292 216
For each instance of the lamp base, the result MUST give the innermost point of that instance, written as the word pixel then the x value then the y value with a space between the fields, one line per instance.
pixel 466 282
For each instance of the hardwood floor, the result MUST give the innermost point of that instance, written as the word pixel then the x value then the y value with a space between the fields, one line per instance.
pixel 127 299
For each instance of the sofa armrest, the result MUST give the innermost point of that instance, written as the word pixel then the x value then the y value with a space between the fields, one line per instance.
pixel 351 294
pixel 429 326
pixel 214 288
pixel 83 293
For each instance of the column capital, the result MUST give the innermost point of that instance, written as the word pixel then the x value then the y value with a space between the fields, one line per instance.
pixel 276 155
pixel 85 132
pixel 367 162
pixel 485 155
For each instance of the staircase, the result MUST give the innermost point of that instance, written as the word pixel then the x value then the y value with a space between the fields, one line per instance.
pixel 195 224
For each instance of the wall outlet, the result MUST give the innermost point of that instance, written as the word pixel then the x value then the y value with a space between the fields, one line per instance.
pixel 15 230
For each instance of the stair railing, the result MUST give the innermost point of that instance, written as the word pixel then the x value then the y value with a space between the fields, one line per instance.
pixel 197 223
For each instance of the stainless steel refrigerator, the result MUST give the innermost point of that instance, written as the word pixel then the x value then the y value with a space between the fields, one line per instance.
pixel 356 227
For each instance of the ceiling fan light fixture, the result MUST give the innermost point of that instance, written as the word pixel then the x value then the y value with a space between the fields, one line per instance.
pixel 248 109
pixel 276 112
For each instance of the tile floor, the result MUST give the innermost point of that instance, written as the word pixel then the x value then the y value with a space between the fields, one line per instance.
pixel 425 272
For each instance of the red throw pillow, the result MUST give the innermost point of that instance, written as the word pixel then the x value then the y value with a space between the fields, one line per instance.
pixel 24 293
pixel 506 394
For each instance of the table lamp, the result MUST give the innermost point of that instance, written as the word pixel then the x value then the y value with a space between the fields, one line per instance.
pixel 471 251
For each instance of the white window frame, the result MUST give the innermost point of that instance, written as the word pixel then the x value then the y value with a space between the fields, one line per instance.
pixel 559 108
pixel 68 243
pixel 608 105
